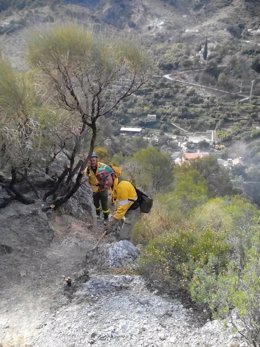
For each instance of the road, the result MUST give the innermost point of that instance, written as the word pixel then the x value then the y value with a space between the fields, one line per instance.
pixel 168 76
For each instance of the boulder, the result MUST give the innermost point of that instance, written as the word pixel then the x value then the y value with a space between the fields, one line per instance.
pixel 113 255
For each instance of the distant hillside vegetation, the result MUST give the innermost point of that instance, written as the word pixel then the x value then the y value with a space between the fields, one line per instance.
pixel 89 3
pixel 22 4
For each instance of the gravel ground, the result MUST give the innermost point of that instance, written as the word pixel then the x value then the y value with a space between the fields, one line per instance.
pixel 119 311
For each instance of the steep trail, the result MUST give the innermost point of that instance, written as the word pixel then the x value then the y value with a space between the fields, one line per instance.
pixel 108 307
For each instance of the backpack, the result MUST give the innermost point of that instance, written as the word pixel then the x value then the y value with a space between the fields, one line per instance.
pixel 143 201
pixel 117 169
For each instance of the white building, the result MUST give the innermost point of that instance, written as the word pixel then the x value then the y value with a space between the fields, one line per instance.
pixel 126 130
pixel 207 136
pixel 150 118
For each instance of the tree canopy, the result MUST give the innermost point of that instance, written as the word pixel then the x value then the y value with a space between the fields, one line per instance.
pixel 79 77
pixel 153 169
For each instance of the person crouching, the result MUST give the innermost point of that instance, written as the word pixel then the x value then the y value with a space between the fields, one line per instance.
pixel 124 196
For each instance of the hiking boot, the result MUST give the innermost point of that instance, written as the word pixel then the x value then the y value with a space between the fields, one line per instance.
pixel 106 218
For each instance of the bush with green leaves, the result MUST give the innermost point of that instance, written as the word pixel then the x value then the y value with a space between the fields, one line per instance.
pixel 234 292
pixel 78 75
pixel 224 82
pixel 170 260
pixel 216 176
pixel 157 222
pixel 167 214
pixel 211 254
pixel 26 127
pixel 173 56
pixel 172 209
pixel 190 188
pixel 21 4
pixel 151 169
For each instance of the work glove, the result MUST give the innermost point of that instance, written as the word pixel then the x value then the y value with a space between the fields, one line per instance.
pixel 111 225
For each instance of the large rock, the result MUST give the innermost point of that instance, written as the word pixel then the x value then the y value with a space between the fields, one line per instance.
pixel 80 205
pixel 112 255
pixel 24 225
pixel 24 233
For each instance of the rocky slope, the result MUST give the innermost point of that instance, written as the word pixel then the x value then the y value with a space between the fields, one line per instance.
pixel 108 304
pixel 119 311
pixel 112 307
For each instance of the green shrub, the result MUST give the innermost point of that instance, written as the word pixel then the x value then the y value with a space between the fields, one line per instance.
pixel 166 214
pixel 210 244
pixel 235 292
pixel 212 215
pixel 165 259
pixel 190 188
pixel 169 261
pixel 155 167
pixel 225 82
pixel 150 226
pixel 234 284
pixel 186 63
pixel 211 253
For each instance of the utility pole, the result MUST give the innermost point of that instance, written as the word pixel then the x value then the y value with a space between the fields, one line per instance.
pixel 205 50
pixel 241 85
pixel 251 90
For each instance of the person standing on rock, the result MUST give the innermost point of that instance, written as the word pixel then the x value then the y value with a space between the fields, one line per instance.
pixel 124 197
pixel 100 193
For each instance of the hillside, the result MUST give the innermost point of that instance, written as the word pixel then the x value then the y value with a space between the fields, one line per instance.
pixel 175 33
pixel 205 55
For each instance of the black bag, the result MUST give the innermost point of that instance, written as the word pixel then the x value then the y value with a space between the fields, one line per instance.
pixel 143 201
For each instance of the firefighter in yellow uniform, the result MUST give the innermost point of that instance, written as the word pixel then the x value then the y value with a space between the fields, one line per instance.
pixel 100 193
pixel 124 196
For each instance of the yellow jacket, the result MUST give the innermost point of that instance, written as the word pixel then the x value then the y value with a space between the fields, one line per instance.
pixel 91 175
pixel 121 193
